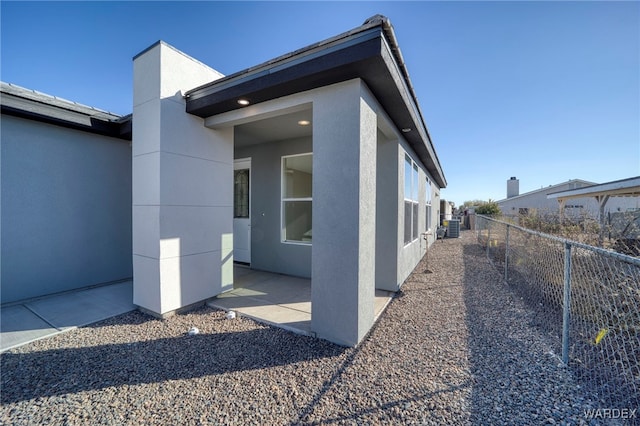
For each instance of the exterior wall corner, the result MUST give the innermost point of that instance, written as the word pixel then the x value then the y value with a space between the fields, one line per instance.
pixel 182 185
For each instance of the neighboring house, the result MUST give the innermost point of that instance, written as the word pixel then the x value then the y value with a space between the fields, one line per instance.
pixel 446 210
pixel 538 202
pixel 618 205
pixel 65 195
pixel 316 164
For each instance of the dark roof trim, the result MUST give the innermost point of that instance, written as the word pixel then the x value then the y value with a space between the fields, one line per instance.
pixel 369 52
pixel 20 102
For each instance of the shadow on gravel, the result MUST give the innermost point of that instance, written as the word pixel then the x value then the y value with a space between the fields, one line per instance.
pixel 382 410
pixel 27 376
pixel 507 385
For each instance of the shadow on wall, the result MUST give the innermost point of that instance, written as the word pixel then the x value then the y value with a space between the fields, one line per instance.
pixel 28 376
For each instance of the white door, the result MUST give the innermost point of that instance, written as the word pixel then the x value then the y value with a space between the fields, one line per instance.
pixel 242 210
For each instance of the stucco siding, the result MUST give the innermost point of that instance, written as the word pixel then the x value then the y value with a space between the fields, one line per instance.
pixel 66 209
pixel 343 255
pixel 386 213
pixel 268 252
pixel 409 255
pixel 182 188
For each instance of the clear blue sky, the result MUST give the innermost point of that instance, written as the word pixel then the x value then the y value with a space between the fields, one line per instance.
pixel 545 91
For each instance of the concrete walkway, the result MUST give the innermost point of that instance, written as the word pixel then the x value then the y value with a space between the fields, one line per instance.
pixel 35 319
pixel 275 299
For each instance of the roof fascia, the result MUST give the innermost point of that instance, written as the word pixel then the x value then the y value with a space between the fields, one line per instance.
pixel 310 73
pixel 281 63
pixel 22 107
pixel 367 53
pixel 418 137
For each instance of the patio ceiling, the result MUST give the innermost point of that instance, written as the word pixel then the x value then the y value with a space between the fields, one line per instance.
pixel 271 129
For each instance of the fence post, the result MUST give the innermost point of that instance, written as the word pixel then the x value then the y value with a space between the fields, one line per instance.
pixel 506 255
pixel 488 239
pixel 566 303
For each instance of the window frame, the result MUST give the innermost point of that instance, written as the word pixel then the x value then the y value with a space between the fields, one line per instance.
pixel 248 194
pixel 284 199
pixel 428 205
pixel 411 201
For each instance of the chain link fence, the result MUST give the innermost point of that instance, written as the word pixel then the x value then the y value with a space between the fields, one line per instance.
pixel 585 297
pixel 618 231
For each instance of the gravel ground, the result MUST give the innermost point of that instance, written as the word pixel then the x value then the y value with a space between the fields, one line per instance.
pixel 454 347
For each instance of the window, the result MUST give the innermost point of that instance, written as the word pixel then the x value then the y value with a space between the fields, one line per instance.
pixel 297 174
pixel 427 225
pixel 241 193
pixel 411 204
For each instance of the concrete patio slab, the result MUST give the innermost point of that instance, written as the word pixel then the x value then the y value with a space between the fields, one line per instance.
pixel 84 307
pixel 20 325
pixel 279 300
pixel 280 316
pixel 43 317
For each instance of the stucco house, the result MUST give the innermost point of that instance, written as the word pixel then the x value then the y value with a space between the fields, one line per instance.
pixel 540 201
pixel 316 164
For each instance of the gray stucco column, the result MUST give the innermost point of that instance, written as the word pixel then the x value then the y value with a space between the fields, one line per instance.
pixel 182 188
pixel 344 202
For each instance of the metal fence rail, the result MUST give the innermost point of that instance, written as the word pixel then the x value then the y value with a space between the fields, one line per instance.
pixel 587 298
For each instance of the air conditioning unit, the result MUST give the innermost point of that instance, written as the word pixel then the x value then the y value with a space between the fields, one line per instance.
pixel 453 228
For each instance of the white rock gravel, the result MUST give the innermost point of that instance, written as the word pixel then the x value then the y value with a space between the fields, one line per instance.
pixel 454 347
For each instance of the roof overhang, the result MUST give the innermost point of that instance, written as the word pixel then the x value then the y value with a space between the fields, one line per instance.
pixel 24 103
pixel 620 188
pixel 369 52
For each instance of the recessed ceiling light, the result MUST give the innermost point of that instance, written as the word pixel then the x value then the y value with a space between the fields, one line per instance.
pixel 406 130
pixel 304 122
pixel 243 102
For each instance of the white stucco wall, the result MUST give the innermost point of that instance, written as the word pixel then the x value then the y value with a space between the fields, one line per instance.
pixel 66 203
pixel 537 200
pixel 182 187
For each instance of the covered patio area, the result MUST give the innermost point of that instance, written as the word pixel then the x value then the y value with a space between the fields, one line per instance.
pixel 300 166
pixel 280 300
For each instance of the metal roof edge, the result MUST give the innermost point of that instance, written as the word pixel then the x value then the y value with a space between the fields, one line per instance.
pixel 615 185
pixel 395 50
pixel 32 105
pixel 55 101
pixel 546 188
